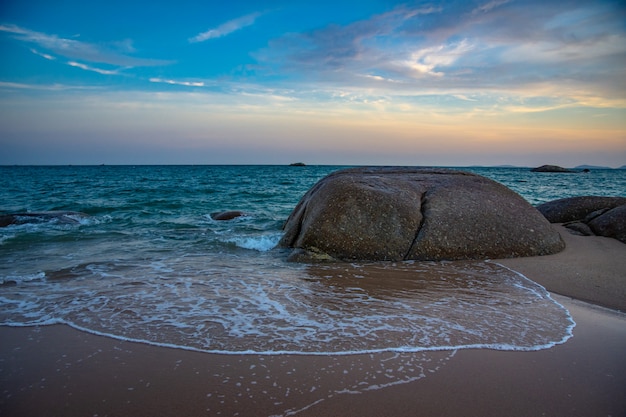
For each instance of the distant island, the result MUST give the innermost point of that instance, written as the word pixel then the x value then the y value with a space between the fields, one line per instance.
pixel 548 168
pixel 297 164
pixel 579 168
pixel 594 167
pixel 551 168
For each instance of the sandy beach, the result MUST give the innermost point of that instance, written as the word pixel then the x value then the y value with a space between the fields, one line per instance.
pixel 60 371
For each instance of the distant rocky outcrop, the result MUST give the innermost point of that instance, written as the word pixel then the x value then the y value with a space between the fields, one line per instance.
pixel 551 168
pixel 297 164
pixel 589 215
pixel 66 217
pixel 388 213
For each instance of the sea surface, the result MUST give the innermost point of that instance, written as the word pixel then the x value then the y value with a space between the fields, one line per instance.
pixel 148 263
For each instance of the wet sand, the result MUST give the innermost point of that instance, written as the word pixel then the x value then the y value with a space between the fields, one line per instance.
pixel 60 371
pixel 591 268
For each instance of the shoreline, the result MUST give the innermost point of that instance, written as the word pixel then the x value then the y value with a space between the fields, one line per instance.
pixel 57 370
pixel 590 268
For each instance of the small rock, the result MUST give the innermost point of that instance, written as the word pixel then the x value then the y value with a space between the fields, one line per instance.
pixel 227 215
pixel 579 228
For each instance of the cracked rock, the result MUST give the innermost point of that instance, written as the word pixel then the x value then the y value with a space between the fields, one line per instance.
pixel 390 213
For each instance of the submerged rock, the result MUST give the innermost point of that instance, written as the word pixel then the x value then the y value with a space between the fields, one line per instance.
pixel 388 213
pixel 69 217
pixel 227 215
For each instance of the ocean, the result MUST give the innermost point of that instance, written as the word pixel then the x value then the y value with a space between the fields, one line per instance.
pixel 149 264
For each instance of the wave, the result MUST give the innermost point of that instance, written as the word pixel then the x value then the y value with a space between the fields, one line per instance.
pixel 255 308
pixel 20 279
pixel 262 243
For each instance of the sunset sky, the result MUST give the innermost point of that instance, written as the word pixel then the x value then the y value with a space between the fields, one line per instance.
pixel 451 83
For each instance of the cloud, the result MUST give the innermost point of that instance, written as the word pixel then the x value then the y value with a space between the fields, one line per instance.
pixel 46 56
pixel 483 8
pixel 428 60
pixel 226 28
pixel 463 97
pixel 43 87
pixel 84 51
pixel 174 82
pixel 336 47
pixel 88 68
pixel 502 47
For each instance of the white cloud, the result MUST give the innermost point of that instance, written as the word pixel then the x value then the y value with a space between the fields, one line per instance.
pixel 88 68
pixel 174 82
pixel 428 60
pixel 484 8
pixel 463 97
pixel 85 51
pixel 43 87
pixel 379 78
pixel 41 54
pixel 226 28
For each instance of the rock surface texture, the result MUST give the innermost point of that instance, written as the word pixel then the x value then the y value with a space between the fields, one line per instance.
pixel 589 215
pixel 389 213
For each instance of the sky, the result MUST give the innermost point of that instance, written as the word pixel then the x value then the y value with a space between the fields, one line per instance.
pixel 429 83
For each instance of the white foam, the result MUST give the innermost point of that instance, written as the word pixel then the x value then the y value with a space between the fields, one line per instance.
pixel 269 311
pixel 53 223
pixel 91 220
pixel 18 279
pixel 263 243
pixel 389 330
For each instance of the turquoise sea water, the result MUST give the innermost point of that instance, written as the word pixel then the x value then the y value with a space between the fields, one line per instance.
pixel 149 264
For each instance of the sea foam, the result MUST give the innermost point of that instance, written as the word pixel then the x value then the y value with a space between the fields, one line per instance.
pixel 262 243
pixel 327 309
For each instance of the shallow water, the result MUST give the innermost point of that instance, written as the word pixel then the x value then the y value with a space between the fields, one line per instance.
pixel 339 309
pixel 150 264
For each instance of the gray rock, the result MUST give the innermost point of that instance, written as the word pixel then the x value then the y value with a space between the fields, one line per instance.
pixel 577 208
pixel 227 215
pixel 612 223
pixel 579 228
pixel 589 217
pixel 388 213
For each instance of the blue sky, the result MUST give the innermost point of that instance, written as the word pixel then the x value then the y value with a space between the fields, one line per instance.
pixel 325 82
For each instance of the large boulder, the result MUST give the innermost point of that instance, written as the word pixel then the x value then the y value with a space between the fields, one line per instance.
pixel 577 208
pixel 388 213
